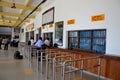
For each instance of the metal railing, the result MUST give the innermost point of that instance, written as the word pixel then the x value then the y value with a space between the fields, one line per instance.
pixel 67 68
pixel 57 63
pixel 49 60
pixel 41 55
pixel 59 59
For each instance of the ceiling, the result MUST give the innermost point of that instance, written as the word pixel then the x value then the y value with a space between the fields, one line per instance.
pixel 15 13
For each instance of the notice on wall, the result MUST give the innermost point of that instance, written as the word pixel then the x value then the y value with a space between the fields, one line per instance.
pixel 43 27
pixel 72 21
pixel 48 16
pixel 51 25
pixel 99 17
pixel 30 27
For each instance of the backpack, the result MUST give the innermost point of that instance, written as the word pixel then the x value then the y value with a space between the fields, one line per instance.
pixel 17 55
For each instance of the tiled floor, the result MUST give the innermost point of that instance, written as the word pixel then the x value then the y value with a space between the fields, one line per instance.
pixel 11 69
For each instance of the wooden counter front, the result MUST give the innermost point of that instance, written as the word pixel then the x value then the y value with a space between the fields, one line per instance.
pixel 110 65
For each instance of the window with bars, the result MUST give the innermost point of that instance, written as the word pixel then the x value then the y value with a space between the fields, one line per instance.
pixel 88 40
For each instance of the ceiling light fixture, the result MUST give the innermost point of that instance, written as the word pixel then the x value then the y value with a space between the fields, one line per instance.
pixel 13 6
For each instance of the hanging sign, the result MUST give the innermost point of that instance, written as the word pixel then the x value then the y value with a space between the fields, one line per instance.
pixel 43 27
pixel 99 17
pixel 30 27
pixel 72 21
pixel 50 25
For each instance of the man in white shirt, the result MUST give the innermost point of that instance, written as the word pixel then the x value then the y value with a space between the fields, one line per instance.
pixel 32 41
pixel 47 42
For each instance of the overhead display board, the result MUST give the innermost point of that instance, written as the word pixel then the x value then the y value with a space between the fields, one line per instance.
pixel 48 16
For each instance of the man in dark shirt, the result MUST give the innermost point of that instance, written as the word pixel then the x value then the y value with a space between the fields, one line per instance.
pixel 6 42
pixel 0 42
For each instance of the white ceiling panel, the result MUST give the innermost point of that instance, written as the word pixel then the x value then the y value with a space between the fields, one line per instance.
pixel 15 1
pixel 35 2
pixel 9 9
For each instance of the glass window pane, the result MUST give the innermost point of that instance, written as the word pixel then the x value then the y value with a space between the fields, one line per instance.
pixel 75 40
pixel 99 41
pixel 73 34
pixel 98 49
pixel 85 43
pixel 88 40
pixel 101 33
pixel 85 34
pixel 73 45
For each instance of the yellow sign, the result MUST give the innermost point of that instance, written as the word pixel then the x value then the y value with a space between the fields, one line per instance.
pixel 43 27
pixel 99 17
pixel 50 25
pixel 72 21
pixel 30 27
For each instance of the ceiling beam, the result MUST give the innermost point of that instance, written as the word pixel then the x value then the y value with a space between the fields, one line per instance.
pixel 1 10
pixel 16 14
pixel 12 24
pixel 13 19
pixel 21 11
pixel 32 11
pixel 6 24
pixel 1 18
pixel 20 6
pixel 22 24
pixel 26 3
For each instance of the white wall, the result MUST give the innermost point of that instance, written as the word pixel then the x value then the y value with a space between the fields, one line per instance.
pixel 113 29
pixel 22 36
pixel 81 11
pixel 12 32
